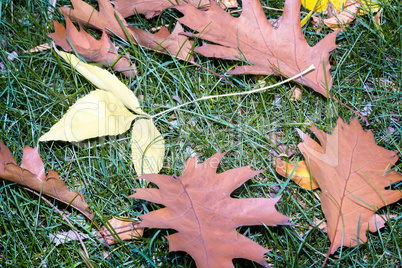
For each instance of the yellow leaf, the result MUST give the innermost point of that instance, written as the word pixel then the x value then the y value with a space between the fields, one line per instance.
pixel 147 147
pixel 97 114
pixel 301 174
pixel 102 79
pixel 321 5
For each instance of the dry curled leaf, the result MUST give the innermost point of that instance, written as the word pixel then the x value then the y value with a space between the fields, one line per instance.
pixel 198 205
pixel 123 229
pixel 100 51
pixel 250 37
pixel 164 42
pixel 31 174
pixel 352 172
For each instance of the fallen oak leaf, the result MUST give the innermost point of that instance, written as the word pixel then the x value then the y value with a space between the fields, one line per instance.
pixel 174 44
pixel 31 174
pixel 252 38
pixel 352 172
pixel 100 51
pixel 198 205
pixel 123 229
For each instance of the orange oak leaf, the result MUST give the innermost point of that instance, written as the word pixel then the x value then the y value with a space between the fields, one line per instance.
pixel 105 19
pixel 31 174
pixel 352 172
pixel 125 229
pixel 152 8
pixel 250 37
pixel 198 205
pixel 101 51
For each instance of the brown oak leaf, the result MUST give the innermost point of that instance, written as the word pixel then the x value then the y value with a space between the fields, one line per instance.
pixel 352 172
pixel 152 8
pixel 198 205
pixel 105 19
pixel 250 37
pixel 101 51
pixel 31 174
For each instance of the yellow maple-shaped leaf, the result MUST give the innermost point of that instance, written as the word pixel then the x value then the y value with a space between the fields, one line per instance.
pixel 97 114
pixel 147 147
pixel 300 173
pixel 102 79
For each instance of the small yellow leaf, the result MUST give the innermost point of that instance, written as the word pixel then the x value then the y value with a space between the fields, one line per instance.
pixel 301 175
pixel 102 79
pixel 97 114
pixel 147 147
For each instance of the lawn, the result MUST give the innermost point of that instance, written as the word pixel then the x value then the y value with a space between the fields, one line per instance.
pixel 37 88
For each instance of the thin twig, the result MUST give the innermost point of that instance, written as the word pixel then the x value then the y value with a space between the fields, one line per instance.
pixel 237 93
pixel 64 217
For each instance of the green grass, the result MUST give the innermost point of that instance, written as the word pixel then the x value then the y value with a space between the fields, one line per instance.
pixel 36 89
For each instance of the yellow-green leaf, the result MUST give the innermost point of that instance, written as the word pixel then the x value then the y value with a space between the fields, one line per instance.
pixel 147 147
pixel 102 79
pixel 97 114
pixel 301 175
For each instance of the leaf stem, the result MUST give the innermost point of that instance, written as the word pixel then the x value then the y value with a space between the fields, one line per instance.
pixel 237 93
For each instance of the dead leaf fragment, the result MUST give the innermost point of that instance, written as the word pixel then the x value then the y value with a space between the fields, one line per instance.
pixel 346 16
pixel 352 172
pixel 250 37
pixel 125 229
pixel 31 174
pixel 198 205
pixel 163 42
pixel 65 237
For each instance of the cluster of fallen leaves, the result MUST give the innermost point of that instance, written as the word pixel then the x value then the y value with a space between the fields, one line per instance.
pixel 348 167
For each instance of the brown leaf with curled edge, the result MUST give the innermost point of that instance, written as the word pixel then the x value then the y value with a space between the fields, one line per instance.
pixel 198 205
pixel 174 44
pixel 152 8
pixel 31 174
pixel 352 172
pixel 250 37
pixel 101 51
pixel 125 229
